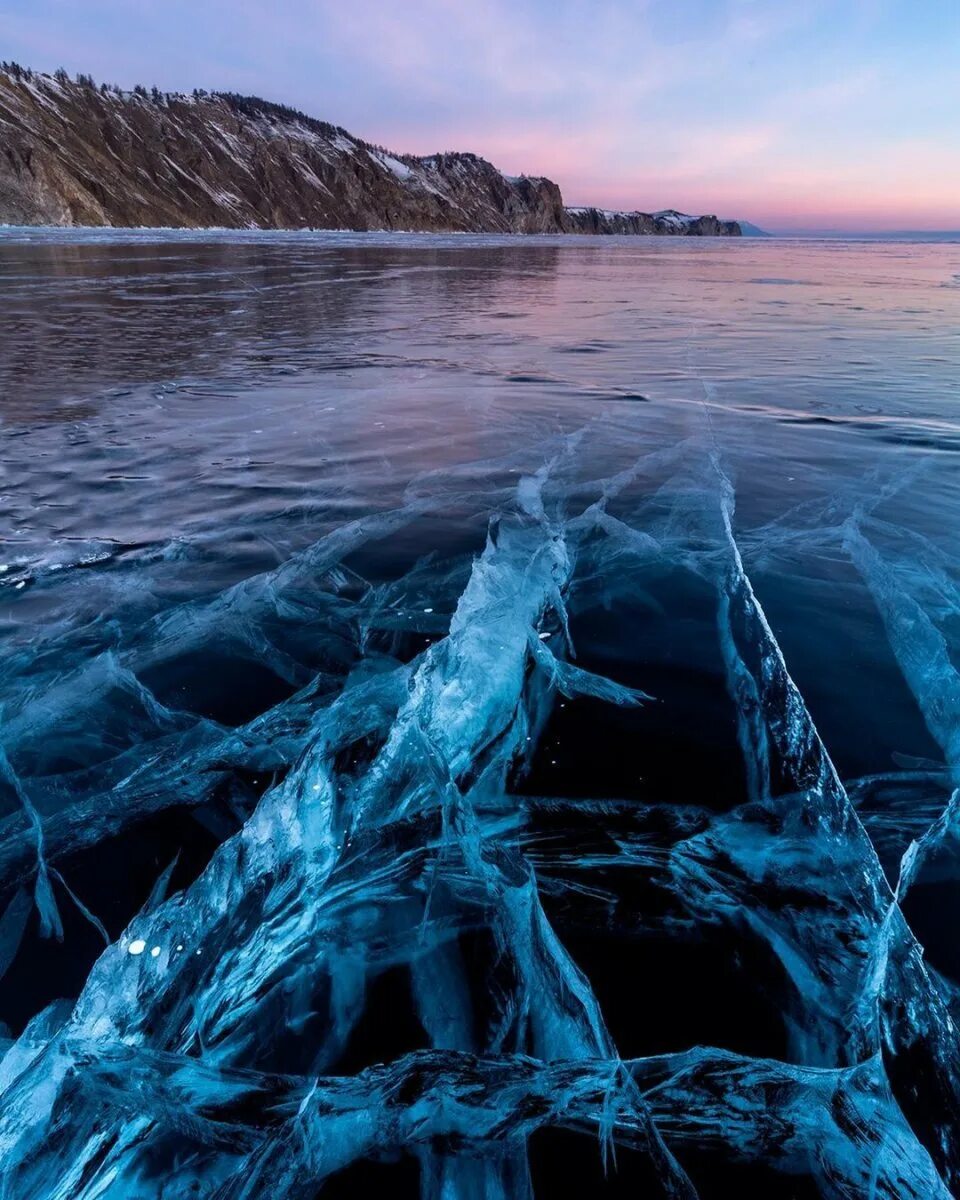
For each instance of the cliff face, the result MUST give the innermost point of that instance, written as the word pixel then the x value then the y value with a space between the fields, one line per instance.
pixel 73 154
pixel 601 220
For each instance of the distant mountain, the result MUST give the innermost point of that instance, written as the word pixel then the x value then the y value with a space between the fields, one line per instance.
pixel 667 221
pixel 748 230
pixel 77 154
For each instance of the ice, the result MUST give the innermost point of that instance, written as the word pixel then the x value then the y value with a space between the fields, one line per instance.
pixel 390 838
pixel 899 586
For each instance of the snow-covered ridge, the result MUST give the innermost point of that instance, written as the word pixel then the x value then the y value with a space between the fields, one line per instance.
pixel 585 219
pixel 82 154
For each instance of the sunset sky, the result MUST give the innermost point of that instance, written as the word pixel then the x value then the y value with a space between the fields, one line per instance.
pixel 831 114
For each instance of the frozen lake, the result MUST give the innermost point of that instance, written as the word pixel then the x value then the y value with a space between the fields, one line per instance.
pixel 498 652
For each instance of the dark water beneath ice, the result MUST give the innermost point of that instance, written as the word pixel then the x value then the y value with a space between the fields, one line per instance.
pixel 247 478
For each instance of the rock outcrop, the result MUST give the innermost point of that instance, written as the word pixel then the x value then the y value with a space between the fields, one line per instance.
pixel 72 153
pixel 669 221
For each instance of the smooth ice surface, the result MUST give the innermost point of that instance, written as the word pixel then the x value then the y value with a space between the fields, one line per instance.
pixel 480 718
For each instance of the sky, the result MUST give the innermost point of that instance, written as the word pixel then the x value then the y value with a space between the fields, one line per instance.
pixel 792 114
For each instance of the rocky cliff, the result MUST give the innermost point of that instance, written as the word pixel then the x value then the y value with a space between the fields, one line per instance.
pixel 72 153
pixel 668 221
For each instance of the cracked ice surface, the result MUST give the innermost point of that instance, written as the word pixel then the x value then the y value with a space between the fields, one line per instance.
pixel 388 828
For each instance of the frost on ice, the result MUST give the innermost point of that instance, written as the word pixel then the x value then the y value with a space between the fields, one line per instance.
pixel 379 823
